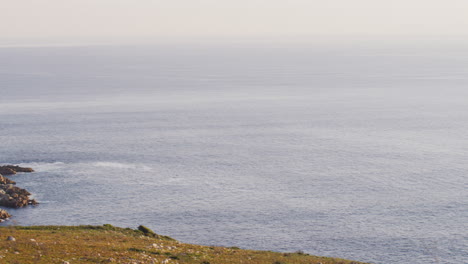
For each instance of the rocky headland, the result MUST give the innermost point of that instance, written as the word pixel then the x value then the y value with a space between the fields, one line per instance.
pixel 10 195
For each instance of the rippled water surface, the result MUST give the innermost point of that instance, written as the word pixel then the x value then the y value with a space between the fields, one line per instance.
pixel 347 152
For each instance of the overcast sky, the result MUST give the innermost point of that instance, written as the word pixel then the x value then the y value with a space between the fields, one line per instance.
pixel 119 20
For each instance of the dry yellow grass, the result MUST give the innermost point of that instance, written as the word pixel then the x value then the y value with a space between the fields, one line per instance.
pixel 108 244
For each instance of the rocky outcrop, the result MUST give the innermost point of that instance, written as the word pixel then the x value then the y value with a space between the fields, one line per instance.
pixel 12 169
pixel 10 195
pixel 6 171
pixel 14 197
pixel 19 169
pixel 4 215
pixel 5 180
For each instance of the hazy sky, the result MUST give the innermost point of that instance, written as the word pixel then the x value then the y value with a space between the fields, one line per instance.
pixel 89 20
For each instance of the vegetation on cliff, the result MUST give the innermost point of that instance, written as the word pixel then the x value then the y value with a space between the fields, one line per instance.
pixel 109 244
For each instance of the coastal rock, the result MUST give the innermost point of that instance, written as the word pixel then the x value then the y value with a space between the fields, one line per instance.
pixel 4 214
pixel 10 195
pixel 13 169
pixel 6 171
pixel 18 168
pixel 11 189
pixel 14 197
pixel 5 180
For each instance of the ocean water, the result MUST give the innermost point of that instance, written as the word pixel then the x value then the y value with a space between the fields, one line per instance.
pixel 353 152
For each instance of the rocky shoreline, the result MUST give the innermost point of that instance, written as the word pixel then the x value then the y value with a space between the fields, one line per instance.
pixel 10 195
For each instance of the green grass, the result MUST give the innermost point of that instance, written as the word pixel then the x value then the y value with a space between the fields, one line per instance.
pixel 109 244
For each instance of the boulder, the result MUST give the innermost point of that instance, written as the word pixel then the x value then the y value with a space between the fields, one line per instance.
pixel 146 231
pixel 11 189
pixel 4 214
pixel 6 171
pixel 14 197
pixel 5 180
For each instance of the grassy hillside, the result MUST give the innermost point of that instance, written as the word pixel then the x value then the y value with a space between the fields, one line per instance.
pixel 109 244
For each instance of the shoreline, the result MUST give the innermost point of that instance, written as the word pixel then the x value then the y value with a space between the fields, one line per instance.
pixel 15 238
pixel 12 196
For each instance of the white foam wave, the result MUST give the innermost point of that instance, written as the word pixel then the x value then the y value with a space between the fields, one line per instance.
pixel 55 166
pixel 44 166
pixel 124 166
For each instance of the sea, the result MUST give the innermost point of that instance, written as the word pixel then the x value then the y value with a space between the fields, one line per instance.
pixel 350 151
